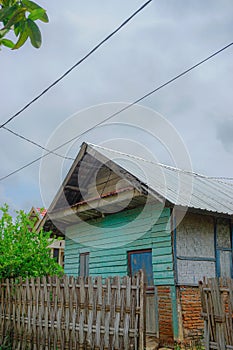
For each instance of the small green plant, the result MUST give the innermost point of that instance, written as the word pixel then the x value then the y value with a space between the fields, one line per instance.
pixel 24 252
pixel 18 17
pixel 177 346
pixel 7 343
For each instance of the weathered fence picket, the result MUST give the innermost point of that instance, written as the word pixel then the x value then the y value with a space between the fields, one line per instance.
pixel 73 313
pixel 217 311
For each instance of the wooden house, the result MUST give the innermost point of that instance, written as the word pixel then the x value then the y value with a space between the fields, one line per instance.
pixel 120 213
pixel 38 215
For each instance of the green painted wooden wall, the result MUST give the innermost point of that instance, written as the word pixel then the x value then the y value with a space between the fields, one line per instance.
pixel 110 238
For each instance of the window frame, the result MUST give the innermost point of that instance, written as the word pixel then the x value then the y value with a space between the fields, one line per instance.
pixel 86 256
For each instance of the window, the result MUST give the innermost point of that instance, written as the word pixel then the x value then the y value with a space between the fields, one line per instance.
pixel 141 260
pixel 223 248
pixel 56 254
pixel 225 258
pixel 84 264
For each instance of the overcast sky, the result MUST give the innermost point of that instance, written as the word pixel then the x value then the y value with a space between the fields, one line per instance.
pixel 163 40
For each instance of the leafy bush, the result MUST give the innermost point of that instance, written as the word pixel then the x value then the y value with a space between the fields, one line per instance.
pixel 24 252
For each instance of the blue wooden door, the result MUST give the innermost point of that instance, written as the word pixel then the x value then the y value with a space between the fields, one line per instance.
pixel 142 260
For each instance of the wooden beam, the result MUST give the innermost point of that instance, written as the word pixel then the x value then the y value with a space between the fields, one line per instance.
pixel 74 188
pixel 97 203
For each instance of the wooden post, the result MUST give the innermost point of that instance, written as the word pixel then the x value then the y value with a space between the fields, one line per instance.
pixel 117 313
pixel 82 312
pixel 99 311
pixel 142 326
pixel 107 313
pixel 90 313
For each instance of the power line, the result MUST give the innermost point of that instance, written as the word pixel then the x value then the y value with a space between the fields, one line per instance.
pixel 181 74
pixel 35 143
pixel 77 63
pixel 130 105
pixel 66 73
pixel 179 170
pixel 121 110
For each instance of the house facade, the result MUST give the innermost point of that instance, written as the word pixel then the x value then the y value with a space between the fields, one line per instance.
pixel 38 217
pixel 117 220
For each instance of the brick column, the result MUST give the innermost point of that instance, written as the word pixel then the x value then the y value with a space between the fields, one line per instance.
pixel 165 315
pixel 190 303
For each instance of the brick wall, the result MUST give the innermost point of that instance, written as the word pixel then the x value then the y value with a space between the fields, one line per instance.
pixel 190 303
pixel 165 314
pixel 192 325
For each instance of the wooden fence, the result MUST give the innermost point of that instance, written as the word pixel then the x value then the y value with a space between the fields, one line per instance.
pixel 73 313
pixel 217 311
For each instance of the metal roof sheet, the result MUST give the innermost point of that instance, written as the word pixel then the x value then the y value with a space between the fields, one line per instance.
pixel 179 187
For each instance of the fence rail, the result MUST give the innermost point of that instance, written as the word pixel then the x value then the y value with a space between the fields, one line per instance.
pixel 73 313
pixel 217 311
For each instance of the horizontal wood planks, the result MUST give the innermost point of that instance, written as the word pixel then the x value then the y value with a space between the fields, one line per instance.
pixel 109 239
pixel 73 313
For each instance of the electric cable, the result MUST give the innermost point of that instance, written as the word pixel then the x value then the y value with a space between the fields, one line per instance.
pixel 121 110
pixel 34 143
pixel 125 108
pixel 77 63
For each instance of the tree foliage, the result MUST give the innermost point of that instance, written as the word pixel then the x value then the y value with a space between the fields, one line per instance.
pixel 24 252
pixel 18 17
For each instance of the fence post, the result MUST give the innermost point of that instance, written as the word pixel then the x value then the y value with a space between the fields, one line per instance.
pixel 204 314
pixel 142 319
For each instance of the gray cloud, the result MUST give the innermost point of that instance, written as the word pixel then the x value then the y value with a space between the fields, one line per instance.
pixel 164 39
pixel 224 134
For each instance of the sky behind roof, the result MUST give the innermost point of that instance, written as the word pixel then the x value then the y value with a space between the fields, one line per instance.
pixel 164 39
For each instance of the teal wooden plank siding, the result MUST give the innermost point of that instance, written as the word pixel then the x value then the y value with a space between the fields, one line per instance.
pixel 114 233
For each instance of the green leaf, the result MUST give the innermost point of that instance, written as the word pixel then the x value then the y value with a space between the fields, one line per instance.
pixel 17 28
pixel 7 12
pixel 37 14
pixel 3 32
pixel 44 18
pixel 5 2
pixel 7 43
pixel 31 6
pixel 34 33
pixel 22 38
pixel 17 17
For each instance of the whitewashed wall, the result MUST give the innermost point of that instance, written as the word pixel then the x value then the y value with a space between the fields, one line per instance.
pixel 194 246
pixel 224 252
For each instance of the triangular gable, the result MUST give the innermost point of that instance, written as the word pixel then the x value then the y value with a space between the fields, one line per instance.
pixel 34 216
pixel 94 178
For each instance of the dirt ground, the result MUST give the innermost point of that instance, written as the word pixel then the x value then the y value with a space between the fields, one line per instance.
pixel 152 344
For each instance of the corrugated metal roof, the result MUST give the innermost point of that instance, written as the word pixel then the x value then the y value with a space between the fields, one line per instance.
pixel 179 187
